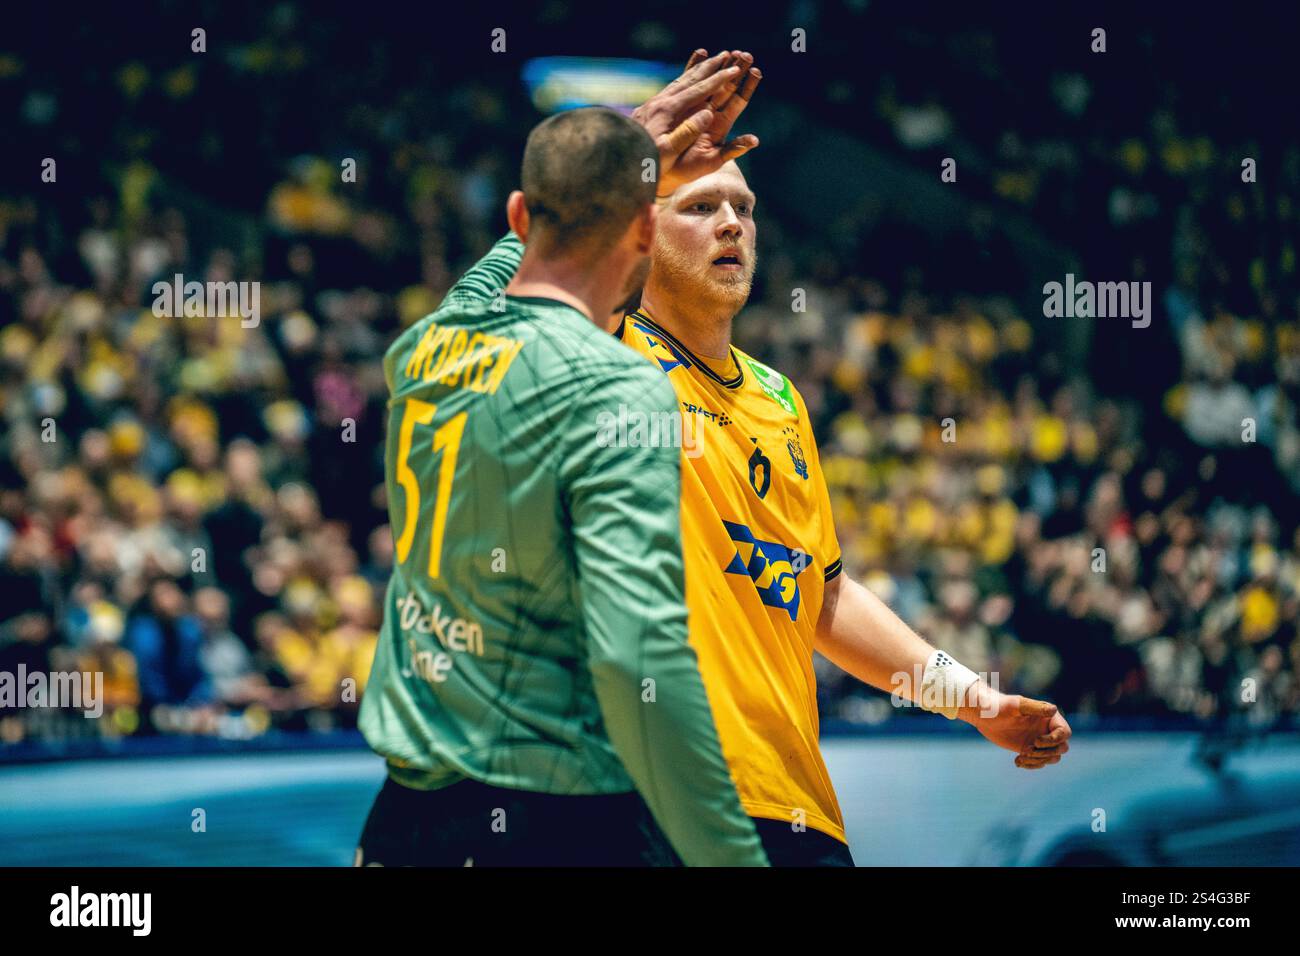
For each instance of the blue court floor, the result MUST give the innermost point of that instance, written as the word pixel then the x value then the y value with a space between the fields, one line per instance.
pixel 908 800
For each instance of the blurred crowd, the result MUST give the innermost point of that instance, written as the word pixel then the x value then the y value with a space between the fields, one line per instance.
pixel 1080 547
pixel 195 508
pixel 1123 537
pixel 192 506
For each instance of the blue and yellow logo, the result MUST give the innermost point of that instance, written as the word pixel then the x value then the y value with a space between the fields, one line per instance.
pixel 771 566
pixel 655 341
pixel 796 452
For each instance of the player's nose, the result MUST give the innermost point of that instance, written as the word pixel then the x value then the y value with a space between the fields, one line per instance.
pixel 728 225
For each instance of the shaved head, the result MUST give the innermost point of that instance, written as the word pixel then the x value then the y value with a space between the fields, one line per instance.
pixel 582 179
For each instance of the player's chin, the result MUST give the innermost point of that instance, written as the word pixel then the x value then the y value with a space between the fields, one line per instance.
pixel 732 287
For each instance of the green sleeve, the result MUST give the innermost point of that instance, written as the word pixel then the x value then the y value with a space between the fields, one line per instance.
pixel 624 504
pixel 487 277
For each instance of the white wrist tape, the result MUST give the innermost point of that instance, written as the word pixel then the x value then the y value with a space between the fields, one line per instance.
pixel 944 685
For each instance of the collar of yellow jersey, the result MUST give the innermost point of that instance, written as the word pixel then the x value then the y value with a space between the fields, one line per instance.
pixel 726 372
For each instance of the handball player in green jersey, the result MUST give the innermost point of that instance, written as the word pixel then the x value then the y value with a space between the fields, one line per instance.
pixel 533 691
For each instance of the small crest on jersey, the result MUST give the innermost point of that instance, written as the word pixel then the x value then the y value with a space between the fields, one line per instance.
pixel 796 451
pixel 774 385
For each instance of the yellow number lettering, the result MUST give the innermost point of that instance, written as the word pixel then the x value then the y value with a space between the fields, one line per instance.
pixel 446 439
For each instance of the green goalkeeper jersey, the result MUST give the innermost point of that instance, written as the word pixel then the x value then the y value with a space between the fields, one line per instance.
pixel 534 630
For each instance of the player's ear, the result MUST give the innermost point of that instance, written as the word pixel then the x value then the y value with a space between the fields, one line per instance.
pixel 517 215
pixel 644 228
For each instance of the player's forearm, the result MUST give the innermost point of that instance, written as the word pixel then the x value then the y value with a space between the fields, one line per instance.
pixel 859 633
pixel 658 719
pixel 647 679
pixel 625 506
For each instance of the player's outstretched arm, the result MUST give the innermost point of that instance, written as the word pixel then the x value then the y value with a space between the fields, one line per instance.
pixel 487 278
pixel 624 505
pixel 689 119
pixel 858 632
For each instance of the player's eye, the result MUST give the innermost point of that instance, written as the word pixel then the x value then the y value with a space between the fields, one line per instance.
pixel 701 207
pixel 743 208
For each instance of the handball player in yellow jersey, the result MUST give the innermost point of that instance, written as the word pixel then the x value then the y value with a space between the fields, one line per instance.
pixel 764 581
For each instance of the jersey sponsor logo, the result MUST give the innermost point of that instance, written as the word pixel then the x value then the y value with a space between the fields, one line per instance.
pixel 774 385
pixel 773 567
pixel 719 418
pixel 637 428
pixel 456 634
pixel 655 341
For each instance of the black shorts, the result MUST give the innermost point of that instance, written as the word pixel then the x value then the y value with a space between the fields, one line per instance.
pixel 472 824
pixel 786 846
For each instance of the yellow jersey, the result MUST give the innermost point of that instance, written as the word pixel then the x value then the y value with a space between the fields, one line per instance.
pixel 759 545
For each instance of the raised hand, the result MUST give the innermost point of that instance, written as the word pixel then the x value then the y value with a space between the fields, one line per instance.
pixel 690 118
